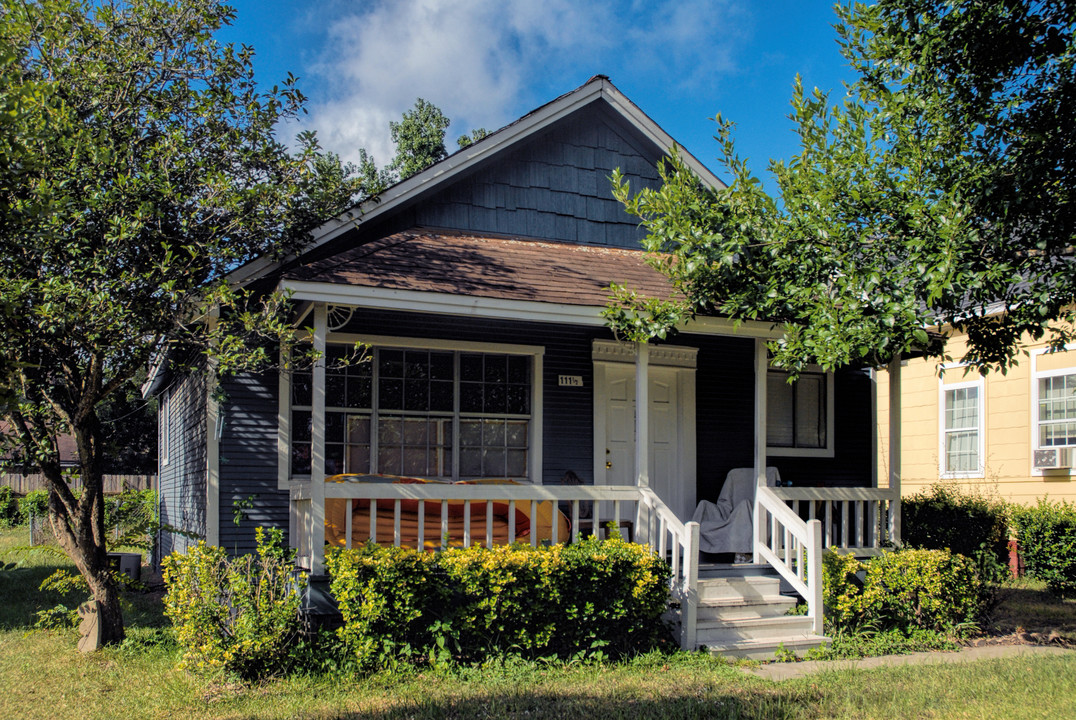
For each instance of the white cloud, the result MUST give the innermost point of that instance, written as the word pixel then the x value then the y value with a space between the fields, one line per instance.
pixel 485 62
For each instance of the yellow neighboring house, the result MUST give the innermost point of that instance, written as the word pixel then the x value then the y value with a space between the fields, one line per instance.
pixel 1012 434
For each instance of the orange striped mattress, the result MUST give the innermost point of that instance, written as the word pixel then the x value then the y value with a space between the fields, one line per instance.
pixel 336 519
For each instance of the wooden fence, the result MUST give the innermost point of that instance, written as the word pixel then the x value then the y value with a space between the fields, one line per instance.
pixel 21 484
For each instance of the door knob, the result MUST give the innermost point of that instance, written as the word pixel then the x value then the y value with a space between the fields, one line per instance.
pixel 608 465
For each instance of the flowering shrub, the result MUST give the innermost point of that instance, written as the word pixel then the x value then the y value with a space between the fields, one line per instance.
pixel 466 604
pixel 239 616
pixel 905 590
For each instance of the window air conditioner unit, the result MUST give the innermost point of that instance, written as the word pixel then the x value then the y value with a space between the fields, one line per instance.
pixel 1053 458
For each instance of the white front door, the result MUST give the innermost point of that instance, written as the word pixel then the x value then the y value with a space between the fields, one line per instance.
pixel 615 434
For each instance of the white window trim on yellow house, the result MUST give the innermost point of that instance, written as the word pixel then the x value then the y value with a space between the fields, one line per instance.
pixel 943 387
pixel 1037 375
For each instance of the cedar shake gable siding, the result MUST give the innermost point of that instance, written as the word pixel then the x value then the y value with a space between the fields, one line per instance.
pixel 490 267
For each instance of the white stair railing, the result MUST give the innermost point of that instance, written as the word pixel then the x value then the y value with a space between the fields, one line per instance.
pixel 670 538
pixel 793 547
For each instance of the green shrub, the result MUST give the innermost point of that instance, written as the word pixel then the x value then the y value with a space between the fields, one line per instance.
pixel 9 508
pixel 34 504
pixel 1046 534
pixel 131 518
pixel 949 518
pixel 904 590
pixel 240 615
pixel 468 604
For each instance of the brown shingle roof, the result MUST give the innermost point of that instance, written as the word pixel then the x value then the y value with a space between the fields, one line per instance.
pixel 505 268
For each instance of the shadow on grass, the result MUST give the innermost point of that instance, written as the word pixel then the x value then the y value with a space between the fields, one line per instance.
pixel 700 702
pixel 24 568
pixel 1033 610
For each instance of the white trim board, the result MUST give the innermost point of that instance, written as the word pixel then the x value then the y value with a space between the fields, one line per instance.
pixel 475 306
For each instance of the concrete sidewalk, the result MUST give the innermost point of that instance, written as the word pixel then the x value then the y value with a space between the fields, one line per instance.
pixel 788 671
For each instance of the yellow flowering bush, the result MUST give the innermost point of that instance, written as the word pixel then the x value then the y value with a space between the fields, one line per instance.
pixel 236 615
pixel 470 603
pixel 904 589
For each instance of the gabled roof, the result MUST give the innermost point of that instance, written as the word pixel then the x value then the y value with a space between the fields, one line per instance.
pixel 456 263
pixel 597 89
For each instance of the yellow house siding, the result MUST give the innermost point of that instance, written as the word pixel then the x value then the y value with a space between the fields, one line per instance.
pixel 1010 430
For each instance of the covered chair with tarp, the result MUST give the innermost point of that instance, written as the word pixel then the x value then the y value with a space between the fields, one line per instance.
pixel 727 526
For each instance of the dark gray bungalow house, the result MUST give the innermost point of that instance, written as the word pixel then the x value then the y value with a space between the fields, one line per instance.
pixel 477 286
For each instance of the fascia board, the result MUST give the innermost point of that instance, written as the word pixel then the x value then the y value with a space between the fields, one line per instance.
pixel 522 310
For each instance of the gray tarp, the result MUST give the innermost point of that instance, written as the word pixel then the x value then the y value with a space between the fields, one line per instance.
pixel 726 526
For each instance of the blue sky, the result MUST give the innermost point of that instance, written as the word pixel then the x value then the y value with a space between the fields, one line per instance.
pixel 487 62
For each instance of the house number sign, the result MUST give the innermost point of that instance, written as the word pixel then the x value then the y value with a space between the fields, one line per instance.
pixel 570 380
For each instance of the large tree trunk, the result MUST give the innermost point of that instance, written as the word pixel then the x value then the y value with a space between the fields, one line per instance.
pixel 79 527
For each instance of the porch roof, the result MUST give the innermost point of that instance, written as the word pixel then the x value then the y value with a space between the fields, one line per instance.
pixel 456 263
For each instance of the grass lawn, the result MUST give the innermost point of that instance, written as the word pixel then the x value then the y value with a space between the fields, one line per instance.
pixel 42 676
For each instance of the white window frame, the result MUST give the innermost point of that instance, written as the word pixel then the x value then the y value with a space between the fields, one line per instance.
pixel 830 448
pixel 536 352
pixel 944 387
pixel 1036 375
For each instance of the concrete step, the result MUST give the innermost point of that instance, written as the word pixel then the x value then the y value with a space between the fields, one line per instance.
pixel 715 570
pixel 714 609
pixel 751 588
pixel 765 648
pixel 728 632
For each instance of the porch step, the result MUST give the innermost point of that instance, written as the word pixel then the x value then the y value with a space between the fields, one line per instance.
pixel 766 648
pixel 740 609
pixel 751 588
pixel 723 632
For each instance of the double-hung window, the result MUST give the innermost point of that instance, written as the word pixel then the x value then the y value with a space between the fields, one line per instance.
pixel 962 432
pixel 440 414
pixel 799 415
pixel 1057 410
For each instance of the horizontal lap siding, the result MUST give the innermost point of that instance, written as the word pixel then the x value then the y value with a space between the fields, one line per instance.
pixel 248 461
pixel 182 481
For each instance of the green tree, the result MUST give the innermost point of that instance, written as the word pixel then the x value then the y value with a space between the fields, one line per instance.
pixel 141 170
pixel 937 191
pixel 420 139
pixel 468 140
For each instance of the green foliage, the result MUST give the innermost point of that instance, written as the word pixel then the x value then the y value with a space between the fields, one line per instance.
pixel 419 138
pixel 9 508
pixel 467 140
pixel 936 190
pixel 143 168
pixel 1046 534
pixel 591 598
pixel 34 504
pixel 131 519
pixel 905 590
pixel 861 642
pixel 239 616
pixel 946 517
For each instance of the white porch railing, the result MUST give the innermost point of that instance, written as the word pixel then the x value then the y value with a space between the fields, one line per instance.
pixel 653 522
pixel 857 521
pixel 792 546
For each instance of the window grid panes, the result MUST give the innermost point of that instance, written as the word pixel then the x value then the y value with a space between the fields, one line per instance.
pixel 1057 411
pixel 961 430
pixel 796 413
pixel 401 413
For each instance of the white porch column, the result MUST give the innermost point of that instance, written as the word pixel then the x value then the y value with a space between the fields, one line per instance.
pixel 642 433
pixel 317 445
pixel 894 448
pixel 762 366
pixel 642 414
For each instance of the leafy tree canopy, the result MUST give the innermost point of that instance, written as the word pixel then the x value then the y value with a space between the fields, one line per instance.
pixel 937 192
pixel 139 168
pixel 420 139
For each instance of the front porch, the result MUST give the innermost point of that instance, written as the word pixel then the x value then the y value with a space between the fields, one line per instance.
pixel 792 525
